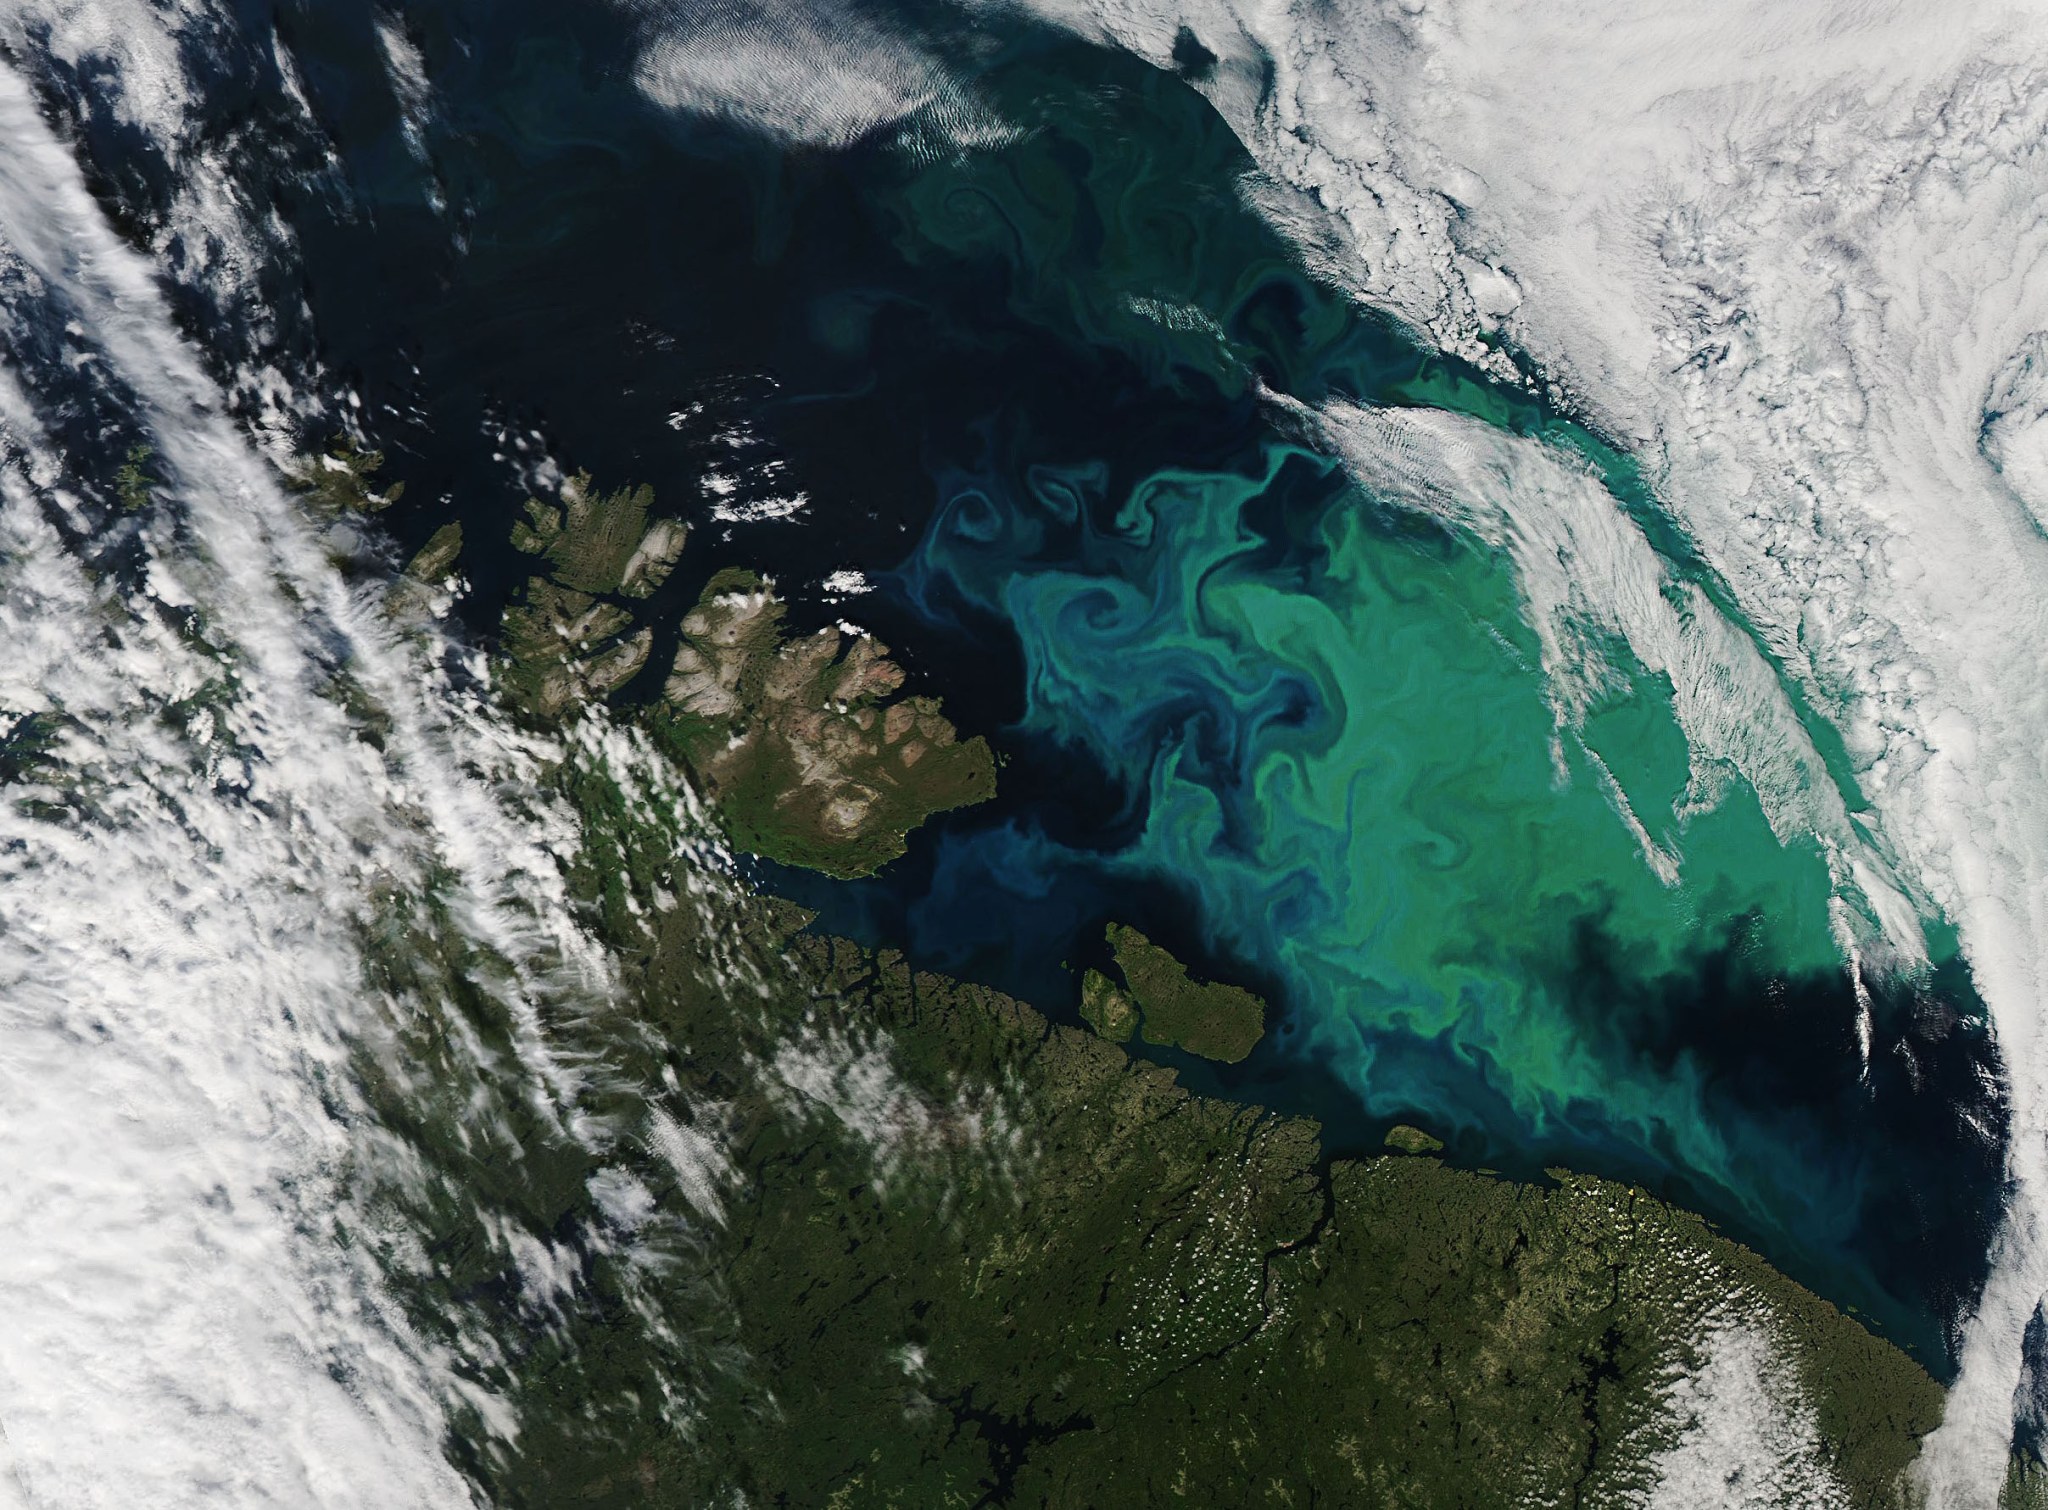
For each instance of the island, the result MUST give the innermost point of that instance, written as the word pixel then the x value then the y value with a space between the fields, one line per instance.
pixel 1165 1005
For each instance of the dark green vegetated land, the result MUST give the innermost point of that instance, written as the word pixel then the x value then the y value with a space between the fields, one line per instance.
pixel 570 638
pixel 2026 1484
pixel 1107 1007
pixel 1213 1020
pixel 340 481
pixel 1034 1271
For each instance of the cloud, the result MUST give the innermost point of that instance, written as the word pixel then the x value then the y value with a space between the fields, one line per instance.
pixel 814 72
pixel 1746 1435
pixel 197 845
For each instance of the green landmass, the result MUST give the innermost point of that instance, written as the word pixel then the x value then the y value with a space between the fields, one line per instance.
pixel 801 744
pixel 570 640
pixel 602 543
pixel 341 480
pixel 1405 1139
pixel 1011 1265
pixel 567 647
pixel 1215 1021
pixel 1107 1008
pixel 133 484
pixel 2026 1483
pixel 417 595
pixel 436 559
pixel 967 1256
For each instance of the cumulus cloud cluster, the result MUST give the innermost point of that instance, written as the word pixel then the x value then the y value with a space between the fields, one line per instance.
pixel 1746 1436
pixel 818 72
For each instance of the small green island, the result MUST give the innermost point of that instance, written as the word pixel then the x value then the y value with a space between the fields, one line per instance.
pixel 1161 1002
pixel 340 480
pixel 571 640
pixel 1406 1139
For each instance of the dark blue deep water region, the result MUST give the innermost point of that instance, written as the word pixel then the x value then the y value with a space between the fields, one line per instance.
pixel 1047 392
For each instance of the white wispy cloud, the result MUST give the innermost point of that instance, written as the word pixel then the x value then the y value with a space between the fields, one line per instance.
pixel 819 72
pixel 199 846
pixel 972 1133
pixel 1589 576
